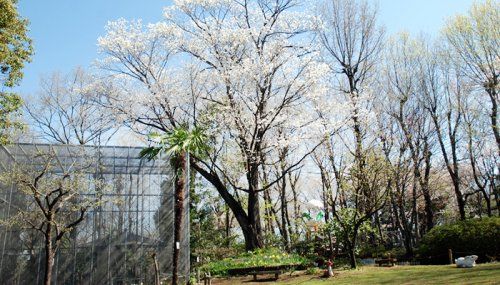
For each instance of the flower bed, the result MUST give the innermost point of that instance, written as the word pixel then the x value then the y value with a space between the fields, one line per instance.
pixel 264 259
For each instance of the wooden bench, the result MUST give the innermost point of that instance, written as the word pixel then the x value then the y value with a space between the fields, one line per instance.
pixel 386 261
pixel 207 279
pixel 265 272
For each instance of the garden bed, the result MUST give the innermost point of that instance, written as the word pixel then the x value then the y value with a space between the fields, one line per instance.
pixel 247 270
pixel 260 260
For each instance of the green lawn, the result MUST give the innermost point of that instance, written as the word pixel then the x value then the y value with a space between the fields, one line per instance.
pixel 482 274
pixel 440 274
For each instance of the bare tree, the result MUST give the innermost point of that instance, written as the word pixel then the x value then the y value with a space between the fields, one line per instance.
pixel 404 57
pixel 351 43
pixel 475 39
pixel 56 201
pixel 444 91
pixel 483 160
pixel 66 110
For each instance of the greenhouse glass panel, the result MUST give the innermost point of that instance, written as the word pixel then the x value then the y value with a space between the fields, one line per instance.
pixel 116 241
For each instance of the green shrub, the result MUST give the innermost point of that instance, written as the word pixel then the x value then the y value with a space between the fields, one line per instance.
pixel 369 250
pixel 313 271
pixel 259 258
pixel 479 237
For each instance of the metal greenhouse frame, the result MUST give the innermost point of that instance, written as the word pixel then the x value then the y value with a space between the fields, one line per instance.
pixel 116 241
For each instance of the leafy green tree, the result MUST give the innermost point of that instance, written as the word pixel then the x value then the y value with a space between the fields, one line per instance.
pixel 15 51
pixel 178 143
pixel 10 103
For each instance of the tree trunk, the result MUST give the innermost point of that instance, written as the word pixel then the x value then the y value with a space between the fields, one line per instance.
pixel 496 191
pixel 494 111
pixel 179 164
pixel 228 225
pixel 429 212
pixel 452 169
pixel 49 256
pixel 460 199
pixel 284 214
pixel 488 203
pixel 157 269
pixel 253 238
pixel 296 210
pixel 352 255
pixel 254 229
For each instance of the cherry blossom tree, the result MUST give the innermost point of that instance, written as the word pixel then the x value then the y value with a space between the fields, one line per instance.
pixel 251 74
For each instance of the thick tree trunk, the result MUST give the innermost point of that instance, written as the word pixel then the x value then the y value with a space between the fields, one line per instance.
pixel 429 212
pixel 488 203
pixel 406 231
pixel 179 165
pixel 460 199
pixel 352 254
pixel 251 233
pixel 254 229
pixel 49 257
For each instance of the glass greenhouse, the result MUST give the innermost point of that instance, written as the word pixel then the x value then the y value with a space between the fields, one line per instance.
pixel 117 240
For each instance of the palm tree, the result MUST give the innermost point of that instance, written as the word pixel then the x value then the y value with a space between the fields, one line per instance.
pixel 178 144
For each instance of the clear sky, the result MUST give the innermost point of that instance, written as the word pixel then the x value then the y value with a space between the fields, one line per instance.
pixel 65 32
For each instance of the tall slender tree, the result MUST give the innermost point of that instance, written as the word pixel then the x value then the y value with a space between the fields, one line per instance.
pixel 474 40
pixel 179 145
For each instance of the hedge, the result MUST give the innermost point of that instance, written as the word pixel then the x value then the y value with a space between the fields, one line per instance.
pixel 480 237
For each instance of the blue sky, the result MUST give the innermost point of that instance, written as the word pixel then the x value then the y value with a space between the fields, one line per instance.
pixel 65 32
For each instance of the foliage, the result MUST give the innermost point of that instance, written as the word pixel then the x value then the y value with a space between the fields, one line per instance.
pixel 314 250
pixel 368 250
pixel 343 227
pixel 477 236
pixel 177 141
pixel 256 82
pixel 313 271
pixel 259 258
pixel 9 110
pixel 15 51
pixel 15 46
pixel 475 40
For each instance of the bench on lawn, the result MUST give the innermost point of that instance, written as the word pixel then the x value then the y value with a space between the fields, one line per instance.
pixel 265 272
pixel 386 261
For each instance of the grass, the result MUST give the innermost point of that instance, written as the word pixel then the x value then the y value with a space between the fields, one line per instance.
pixel 431 274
